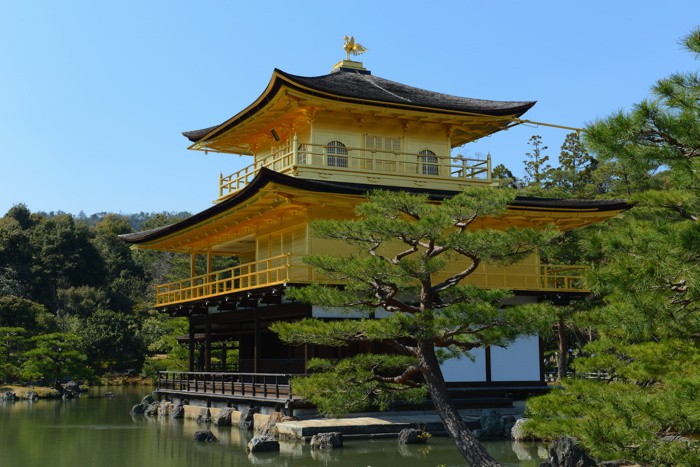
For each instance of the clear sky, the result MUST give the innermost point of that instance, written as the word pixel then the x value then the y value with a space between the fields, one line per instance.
pixel 94 94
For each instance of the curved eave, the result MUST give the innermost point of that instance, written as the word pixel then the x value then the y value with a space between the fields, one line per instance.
pixel 606 208
pixel 282 80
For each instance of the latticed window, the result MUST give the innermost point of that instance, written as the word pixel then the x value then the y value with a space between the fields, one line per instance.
pixel 337 154
pixel 428 162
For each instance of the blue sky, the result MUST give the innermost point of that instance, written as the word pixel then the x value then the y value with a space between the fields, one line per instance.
pixel 94 94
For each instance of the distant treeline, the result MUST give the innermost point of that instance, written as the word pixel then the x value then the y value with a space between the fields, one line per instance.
pixel 76 301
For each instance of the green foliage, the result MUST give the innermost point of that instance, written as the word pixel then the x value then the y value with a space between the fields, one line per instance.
pixel 111 343
pixel 358 383
pixel 55 357
pixel 26 314
pixel 60 273
pixel 13 343
pixel 647 281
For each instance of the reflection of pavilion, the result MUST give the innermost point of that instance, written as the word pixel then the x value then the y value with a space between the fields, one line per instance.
pixel 317 145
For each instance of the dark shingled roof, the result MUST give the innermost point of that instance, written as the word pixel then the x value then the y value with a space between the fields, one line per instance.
pixel 266 176
pixel 354 86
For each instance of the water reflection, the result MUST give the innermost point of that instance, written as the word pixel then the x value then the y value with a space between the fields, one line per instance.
pixel 100 432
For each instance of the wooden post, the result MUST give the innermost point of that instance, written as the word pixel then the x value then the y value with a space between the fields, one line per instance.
pixel 256 344
pixel 207 345
pixel 190 344
pixel 223 356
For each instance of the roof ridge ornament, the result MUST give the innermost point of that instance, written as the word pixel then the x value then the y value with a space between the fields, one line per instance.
pixel 351 48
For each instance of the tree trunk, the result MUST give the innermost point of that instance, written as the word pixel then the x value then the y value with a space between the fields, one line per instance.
pixel 470 448
pixel 562 357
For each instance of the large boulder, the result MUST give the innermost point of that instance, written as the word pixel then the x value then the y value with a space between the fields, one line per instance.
pixel 567 452
pixel 268 428
pixel 263 444
pixel 204 436
pixel 413 436
pixel 138 409
pixel 326 441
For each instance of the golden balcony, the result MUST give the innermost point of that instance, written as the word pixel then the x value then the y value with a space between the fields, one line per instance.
pixel 365 166
pixel 290 269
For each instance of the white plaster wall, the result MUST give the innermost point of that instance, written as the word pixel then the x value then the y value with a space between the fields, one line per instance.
pixel 520 361
pixel 464 369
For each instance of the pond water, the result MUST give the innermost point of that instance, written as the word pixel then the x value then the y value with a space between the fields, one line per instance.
pixel 99 432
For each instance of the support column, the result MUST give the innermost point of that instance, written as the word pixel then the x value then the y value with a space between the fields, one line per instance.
pixel 190 344
pixel 207 345
pixel 223 356
pixel 256 344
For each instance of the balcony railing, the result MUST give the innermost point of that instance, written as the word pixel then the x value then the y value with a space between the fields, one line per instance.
pixel 266 272
pixel 281 269
pixel 361 162
pixel 562 278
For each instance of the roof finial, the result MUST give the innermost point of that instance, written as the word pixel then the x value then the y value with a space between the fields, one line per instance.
pixel 353 48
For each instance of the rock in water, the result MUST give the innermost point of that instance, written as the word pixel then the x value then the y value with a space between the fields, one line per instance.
pixel 247 417
pixel 327 441
pixel 204 416
pixel 152 409
pixel 178 412
pixel 263 444
pixel 224 417
pixel 412 436
pixel 566 452
pixel 517 433
pixel 72 389
pixel 492 425
pixel 9 396
pixel 204 436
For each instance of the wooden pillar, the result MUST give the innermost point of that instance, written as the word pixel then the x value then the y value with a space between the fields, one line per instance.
pixel 223 356
pixel 256 344
pixel 190 344
pixel 207 345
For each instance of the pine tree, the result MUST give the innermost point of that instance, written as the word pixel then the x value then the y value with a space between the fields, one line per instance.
pixel 404 245
pixel 648 278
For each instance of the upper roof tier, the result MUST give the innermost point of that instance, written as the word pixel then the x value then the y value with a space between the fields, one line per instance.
pixel 359 91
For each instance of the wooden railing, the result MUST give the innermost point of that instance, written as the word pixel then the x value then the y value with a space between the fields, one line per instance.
pixel 366 162
pixel 274 386
pixel 266 272
pixel 562 278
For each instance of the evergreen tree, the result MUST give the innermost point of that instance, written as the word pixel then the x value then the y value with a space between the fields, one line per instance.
pixel 404 245
pixel 648 278
pixel 537 168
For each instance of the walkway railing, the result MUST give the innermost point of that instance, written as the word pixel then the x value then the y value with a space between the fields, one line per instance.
pixel 272 386
pixel 266 272
pixel 376 163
